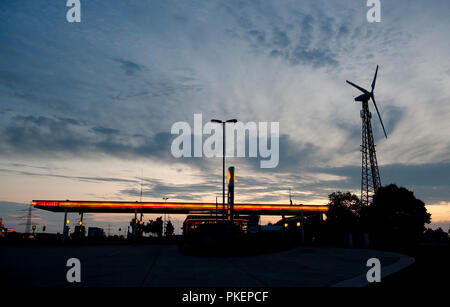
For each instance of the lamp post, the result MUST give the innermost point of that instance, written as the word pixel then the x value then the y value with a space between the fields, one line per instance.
pixel 216 209
pixel 164 222
pixel 223 177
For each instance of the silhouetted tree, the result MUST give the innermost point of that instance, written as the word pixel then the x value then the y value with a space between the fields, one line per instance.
pixel 342 216
pixel 344 211
pixel 395 216
pixel 437 235
pixel 155 227
pixel 169 229
pixel 147 227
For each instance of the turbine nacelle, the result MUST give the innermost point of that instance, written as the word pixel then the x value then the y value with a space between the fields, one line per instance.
pixel 366 96
pixel 363 97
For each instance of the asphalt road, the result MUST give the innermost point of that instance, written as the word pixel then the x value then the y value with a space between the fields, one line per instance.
pixel 164 265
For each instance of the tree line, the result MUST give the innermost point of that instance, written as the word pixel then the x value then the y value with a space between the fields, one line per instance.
pixel 394 217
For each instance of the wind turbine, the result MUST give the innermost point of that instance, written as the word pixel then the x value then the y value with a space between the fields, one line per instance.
pixel 370 175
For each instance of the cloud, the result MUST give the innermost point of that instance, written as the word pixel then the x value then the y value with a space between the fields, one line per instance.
pixel 29 134
pixel 429 181
pixel 158 189
pixel 131 68
pixel 47 136
pixel 104 130
pixel 113 89
pixel 280 39
pixel 79 178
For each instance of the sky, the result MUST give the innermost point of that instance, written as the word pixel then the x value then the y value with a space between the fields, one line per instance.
pixel 86 109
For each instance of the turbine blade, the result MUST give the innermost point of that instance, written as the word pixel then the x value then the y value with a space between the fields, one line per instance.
pixel 379 116
pixel 374 79
pixel 358 87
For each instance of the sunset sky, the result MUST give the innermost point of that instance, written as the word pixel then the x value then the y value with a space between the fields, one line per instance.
pixel 86 108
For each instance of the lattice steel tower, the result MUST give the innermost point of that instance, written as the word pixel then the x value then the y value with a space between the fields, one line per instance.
pixel 370 175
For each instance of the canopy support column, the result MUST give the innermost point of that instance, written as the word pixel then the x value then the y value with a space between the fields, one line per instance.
pixel 302 228
pixel 64 232
pixel 134 224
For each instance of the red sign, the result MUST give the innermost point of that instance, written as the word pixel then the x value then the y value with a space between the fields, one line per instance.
pixel 47 203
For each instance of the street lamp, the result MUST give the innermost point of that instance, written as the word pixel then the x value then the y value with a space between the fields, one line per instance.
pixel 223 178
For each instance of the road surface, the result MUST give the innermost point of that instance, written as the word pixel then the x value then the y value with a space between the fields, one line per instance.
pixel 164 265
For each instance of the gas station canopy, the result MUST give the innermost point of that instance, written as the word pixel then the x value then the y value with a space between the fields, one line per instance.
pixel 173 207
